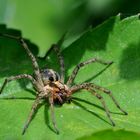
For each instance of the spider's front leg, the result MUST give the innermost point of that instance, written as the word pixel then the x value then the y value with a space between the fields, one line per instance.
pixel 32 57
pixel 31 114
pixel 82 64
pixel 21 76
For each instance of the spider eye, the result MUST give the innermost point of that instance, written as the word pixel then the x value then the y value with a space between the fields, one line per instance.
pixel 51 79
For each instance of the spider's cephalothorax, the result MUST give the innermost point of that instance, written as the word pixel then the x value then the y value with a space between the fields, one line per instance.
pixel 49 85
pixel 52 83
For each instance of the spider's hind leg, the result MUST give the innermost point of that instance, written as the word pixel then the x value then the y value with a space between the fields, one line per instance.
pixel 32 57
pixel 108 92
pixel 104 106
pixel 87 87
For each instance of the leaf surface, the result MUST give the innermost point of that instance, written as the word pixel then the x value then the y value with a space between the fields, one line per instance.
pixel 115 40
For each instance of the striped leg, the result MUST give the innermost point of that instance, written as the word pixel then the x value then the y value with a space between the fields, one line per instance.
pixel 31 114
pixel 93 86
pixel 33 59
pixel 88 88
pixel 104 105
pixel 60 57
pixel 108 92
pixel 75 71
pixel 56 48
pixel 61 61
pixel 52 114
pixel 21 76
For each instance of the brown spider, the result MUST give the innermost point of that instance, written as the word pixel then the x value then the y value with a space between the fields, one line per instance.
pixel 49 85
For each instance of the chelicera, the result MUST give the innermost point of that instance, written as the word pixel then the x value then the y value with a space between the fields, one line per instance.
pixel 49 85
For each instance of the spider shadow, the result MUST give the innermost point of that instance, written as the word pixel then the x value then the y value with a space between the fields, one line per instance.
pixel 16 98
pixel 46 117
pixel 76 101
pixel 99 73
pixel 23 85
pixel 25 98
pixel 36 111
pixel 75 52
pixel 14 56
pixel 46 108
pixel 99 107
pixel 93 113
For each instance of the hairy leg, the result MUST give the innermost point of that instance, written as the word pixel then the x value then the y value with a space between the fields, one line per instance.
pixel 21 76
pixel 61 61
pixel 59 99
pixel 79 87
pixel 82 64
pixel 93 86
pixel 52 114
pixel 56 48
pixel 32 57
pixel 104 105
pixel 31 114
pixel 108 92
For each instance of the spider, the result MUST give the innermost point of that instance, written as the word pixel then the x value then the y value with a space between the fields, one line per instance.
pixel 50 86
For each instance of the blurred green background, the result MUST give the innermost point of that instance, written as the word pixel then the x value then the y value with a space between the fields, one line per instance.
pixel 94 28
pixel 44 21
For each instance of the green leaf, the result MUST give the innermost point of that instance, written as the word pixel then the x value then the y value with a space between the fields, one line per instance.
pixel 112 135
pixel 44 22
pixel 115 40
pixel 41 22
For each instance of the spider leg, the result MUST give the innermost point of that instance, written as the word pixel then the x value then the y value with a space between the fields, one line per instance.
pixel 84 86
pixel 93 86
pixel 61 61
pixel 31 114
pixel 60 57
pixel 60 99
pixel 111 96
pixel 104 105
pixel 21 76
pixel 56 48
pixel 33 59
pixel 82 64
pixel 52 114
